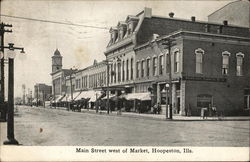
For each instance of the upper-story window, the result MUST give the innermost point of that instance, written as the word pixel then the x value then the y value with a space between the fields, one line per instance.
pixel 154 66
pixel 114 73
pixel 239 65
pixel 161 63
pixel 131 68
pixel 130 28
pixel 225 62
pixel 148 66
pixel 119 71
pixel 127 70
pixel 123 70
pixel 111 73
pixel 176 60
pixel 199 60
pixel 142 68
pixel 137 69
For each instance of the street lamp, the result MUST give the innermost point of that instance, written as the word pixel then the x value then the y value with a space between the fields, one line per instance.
pixel 10 112
pixel 168 103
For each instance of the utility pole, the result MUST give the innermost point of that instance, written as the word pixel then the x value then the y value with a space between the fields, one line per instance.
pixel 169 43
pixel 107 86
pixel 2 94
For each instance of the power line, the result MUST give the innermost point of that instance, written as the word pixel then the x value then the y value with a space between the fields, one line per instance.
pixel 54 22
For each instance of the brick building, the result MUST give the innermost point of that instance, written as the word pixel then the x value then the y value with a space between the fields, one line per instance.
pixel 42 93
pixel 209 62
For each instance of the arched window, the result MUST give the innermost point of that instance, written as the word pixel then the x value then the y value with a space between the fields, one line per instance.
pixel 239 64
pixel 176 60
pixel 225 62
pixel 199 60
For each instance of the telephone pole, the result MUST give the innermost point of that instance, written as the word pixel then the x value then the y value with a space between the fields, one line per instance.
pixel 168 44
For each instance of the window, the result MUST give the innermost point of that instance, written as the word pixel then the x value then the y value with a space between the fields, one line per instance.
pixel 127 70
pixel 111 73
pixel 199 59
pixel 114 73
pixel 161 65
pixel 239 66
pixel 142 68
pixel 137 69
pixel 148 66
pixel 247 98
pixel 176 61
pixel 167 62
pixel 225 62
pixel 123 70
pixel 154 66
pixel 132 62
pixel 119 71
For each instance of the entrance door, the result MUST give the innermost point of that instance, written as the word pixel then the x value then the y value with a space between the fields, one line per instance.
pixel 178 105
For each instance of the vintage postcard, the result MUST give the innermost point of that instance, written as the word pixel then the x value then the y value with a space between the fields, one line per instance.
pixel 129 80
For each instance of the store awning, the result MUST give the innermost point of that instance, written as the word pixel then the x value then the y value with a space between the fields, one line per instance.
pixel 58 99
pixel 92 95
pixel 65 98
pixel 110 96
pixel 75 95
pixel 139 96
pixel 35 100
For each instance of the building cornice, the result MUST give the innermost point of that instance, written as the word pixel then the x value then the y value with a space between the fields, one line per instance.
pixel 194 35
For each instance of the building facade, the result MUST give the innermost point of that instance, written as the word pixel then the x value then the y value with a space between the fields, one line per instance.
pixel 42 93
pixel 58 76
pixel 139 62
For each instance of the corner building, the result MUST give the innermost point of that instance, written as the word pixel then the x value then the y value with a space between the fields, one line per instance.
pixel 209 62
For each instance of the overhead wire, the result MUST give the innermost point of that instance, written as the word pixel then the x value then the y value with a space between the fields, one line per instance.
pixel 54 22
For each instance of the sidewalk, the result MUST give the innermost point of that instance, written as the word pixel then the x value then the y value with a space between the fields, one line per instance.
pixel 161 116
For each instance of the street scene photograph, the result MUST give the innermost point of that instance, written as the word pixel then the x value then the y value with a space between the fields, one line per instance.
pixel 125 73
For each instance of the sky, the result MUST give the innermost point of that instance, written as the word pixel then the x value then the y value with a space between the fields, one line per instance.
pixel 78 45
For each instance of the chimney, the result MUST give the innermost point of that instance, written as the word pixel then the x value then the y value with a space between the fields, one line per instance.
pixel 225 22
pixel 148 12
pixel 193 18
pixel 171 14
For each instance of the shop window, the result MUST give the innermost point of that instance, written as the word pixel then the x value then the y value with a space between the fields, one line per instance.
pixel 148 66
pixel 225 62
pixel 199 60
pixel 177 61
pixel 247 98
pixel 239 64
pixel 154 66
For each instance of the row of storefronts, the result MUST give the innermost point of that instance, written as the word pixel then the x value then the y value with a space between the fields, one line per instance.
pixel 161 60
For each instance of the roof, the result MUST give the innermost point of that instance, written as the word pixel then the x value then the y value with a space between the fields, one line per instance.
pixel 57 53
pixel 164 26
pixel 226 6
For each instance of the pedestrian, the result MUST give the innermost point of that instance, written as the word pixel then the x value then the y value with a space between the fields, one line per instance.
pixel 158 108
pixel 155 108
